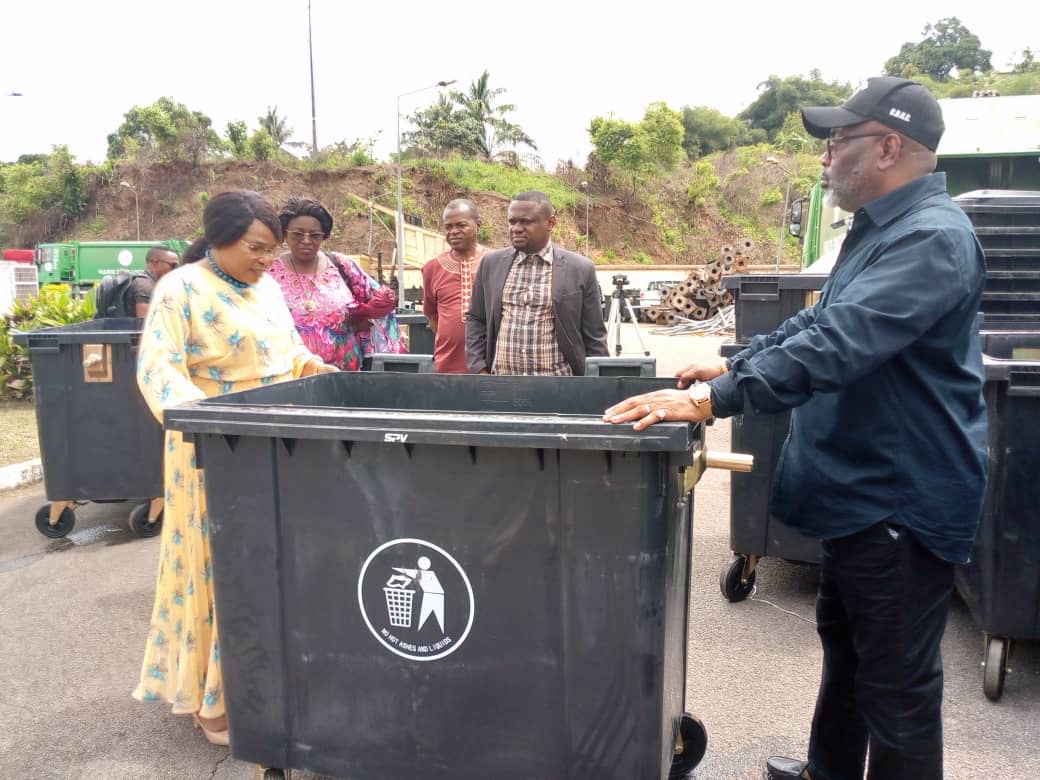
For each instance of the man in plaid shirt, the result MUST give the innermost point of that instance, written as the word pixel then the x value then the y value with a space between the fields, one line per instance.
pixel 536 308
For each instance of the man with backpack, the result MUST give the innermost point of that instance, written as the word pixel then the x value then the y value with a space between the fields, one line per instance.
pixel 127 294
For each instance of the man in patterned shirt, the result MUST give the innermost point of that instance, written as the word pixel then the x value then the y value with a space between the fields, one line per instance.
pixel 536 308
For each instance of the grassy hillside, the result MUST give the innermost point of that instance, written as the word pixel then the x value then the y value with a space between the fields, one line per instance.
pixel 680 217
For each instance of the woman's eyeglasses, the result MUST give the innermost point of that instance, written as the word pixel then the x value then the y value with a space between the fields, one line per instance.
pixel 300 235
pixel 259 249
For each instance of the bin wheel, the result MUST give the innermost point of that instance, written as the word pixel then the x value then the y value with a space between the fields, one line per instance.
pixel 995 667
pixel 270 773
pixel 730 583
pixel 139 525
pixel 66 522
pixel 694 744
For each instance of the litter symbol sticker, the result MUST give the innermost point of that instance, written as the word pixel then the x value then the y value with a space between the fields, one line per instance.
pixel 416 599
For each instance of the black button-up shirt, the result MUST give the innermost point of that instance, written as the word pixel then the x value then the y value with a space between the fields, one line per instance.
pixel 885 378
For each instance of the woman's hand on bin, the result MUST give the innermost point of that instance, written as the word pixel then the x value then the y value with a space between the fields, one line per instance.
pixel 316 366
pixel 659 406
pixel 702 371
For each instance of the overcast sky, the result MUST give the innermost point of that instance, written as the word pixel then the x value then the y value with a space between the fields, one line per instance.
pixel 81 65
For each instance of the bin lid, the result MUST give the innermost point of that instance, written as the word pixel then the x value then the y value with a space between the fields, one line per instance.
pixel 800 281
pixel 999 199
pixel 110 330
pixel 405 409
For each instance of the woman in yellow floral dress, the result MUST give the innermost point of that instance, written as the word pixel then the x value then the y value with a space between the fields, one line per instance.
pixel 215 326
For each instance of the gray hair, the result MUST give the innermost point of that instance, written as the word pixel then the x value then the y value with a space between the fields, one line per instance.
pixel 463 203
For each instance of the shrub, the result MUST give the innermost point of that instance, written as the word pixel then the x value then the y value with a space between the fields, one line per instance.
pixel 56 306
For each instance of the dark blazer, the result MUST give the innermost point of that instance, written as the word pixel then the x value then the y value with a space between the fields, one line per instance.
pixel 577 309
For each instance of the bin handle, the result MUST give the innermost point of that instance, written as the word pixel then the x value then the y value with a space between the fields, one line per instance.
pixel 1025 384
pixel 704 459
pixel 732 461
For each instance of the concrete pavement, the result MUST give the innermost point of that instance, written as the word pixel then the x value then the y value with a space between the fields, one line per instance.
pixel 74 615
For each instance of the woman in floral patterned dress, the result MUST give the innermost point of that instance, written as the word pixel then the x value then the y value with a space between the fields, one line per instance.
pixel 215 326
pixel 342 314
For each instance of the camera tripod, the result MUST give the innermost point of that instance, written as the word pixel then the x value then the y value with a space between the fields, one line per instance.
pixel 617 300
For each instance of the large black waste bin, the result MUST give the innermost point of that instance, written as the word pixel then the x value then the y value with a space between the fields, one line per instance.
pixel 753 532
pixel 98 439
pixel 763 301
pixel 1001 584
pixel 420 337
pixel 1007 223
pixel 446 576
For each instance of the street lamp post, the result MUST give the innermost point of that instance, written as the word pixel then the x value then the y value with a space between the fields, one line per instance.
pixel 585 186
pixel 783 214
pixel 399 218
pixel 314 112
pixel 137 207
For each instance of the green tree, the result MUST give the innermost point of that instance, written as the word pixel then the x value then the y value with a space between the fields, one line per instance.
pixel 496 131
pixel 654 143
pixel 238 139
pixel 444 128
pixel 793 138
pixel 708 130
pixel 946 46
pixel 662 129
pixel 27 188
pixel 617 142
pixel 1027 62
pixel 276 126
pixel 261 145
pixel 778 97
pixel 166 130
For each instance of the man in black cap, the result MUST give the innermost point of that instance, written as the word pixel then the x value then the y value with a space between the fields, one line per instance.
pixel 886 457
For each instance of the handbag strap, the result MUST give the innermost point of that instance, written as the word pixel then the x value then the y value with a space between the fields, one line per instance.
pixel 346 279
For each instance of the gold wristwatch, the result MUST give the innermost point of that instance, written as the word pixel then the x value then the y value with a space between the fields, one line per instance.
pixel 700 397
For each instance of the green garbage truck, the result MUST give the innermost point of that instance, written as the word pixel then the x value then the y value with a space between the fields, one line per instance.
pixel 82 264
pixel 990 142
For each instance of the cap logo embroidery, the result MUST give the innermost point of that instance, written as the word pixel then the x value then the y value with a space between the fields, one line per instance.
pixel 903 115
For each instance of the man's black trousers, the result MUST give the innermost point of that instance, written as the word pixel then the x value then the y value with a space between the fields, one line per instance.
pixel 880 614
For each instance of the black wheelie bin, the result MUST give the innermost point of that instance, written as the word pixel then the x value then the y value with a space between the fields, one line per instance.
pixel 98 439
pixel 1001 584
pixel 761 302
pixel 451 577
pixel 420 337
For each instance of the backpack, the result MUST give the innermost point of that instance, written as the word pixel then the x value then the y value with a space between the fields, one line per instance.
pixel 115 295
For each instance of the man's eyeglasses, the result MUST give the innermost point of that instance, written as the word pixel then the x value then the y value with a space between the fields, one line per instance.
pixel 259 249
pixel 300 235
pixel 834 141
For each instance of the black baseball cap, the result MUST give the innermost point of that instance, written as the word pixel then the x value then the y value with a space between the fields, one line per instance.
pixel 905 106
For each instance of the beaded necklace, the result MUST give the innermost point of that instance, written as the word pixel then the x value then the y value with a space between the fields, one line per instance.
pixel 225 276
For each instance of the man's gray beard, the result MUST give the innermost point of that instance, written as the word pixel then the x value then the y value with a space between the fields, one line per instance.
pixel 830 198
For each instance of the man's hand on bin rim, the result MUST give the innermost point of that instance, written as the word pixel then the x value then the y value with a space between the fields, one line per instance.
pixel 702 371
pixel 661 405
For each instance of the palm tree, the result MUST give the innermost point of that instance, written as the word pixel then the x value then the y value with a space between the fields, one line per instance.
pixel 276 126
pixel 496 130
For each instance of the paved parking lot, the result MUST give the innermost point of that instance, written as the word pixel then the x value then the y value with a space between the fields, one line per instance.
pixel 74 612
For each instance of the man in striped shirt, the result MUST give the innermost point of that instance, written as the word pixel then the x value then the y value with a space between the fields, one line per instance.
pixel 536 308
